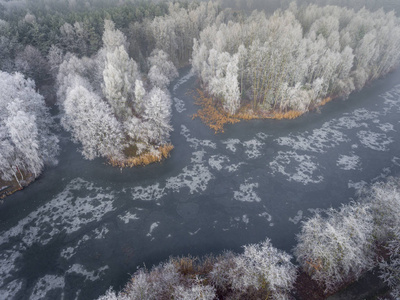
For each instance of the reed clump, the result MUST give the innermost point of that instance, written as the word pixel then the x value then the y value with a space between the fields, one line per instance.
pixel 145 158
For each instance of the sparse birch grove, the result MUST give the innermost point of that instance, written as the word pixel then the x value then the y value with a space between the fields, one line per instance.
pixel 295 58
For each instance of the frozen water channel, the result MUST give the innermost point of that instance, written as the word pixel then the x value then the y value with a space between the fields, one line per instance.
pixel 84 225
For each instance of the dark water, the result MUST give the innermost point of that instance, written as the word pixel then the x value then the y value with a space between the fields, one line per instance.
pixel 84 226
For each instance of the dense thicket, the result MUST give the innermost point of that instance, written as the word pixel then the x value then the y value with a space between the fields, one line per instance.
pixel 335 247
pixel 105 104
pixel 297 57
pixel 26 142
pixel 261 270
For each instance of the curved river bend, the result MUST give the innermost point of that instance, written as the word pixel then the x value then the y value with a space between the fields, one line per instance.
pixel 84 225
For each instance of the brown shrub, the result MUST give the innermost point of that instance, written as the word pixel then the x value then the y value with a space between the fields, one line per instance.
pixel 144 158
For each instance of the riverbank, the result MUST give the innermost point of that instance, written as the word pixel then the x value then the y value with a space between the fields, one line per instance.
pixel 144 159
pixel 8 188
pixel 214 116
pixel 210 273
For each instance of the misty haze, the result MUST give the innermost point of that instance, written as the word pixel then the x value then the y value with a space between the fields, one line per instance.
pixel 202 150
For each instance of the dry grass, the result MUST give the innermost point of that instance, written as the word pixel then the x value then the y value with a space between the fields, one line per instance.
pixel 13 186
pixel 213 115
pixel 325 101
pixel 291 114
pixel 193 267
pixel 186 265
pixel 144 159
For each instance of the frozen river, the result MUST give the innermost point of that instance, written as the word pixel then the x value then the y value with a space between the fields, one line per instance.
pixel 84 226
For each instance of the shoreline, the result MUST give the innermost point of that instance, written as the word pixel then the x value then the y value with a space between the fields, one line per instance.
pixel 8 188
pixel 147 158
pixel 213 115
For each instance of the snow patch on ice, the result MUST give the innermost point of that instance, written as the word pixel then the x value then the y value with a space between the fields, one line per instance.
pixel 217 161
pixel 253 148
pixel 246 193
pixel 296 167
pixel 234 167
pixel 179 105
pixel 348 162
pixel 8 260
pixel 245 219
pixel 100 233
pixel 374 141
pixel 45 284
pixel 184 79
pixel 296 219
pixel 358 186
pixel 149 193
pixel 128 217
pixel 396 161
pixel 196 232
pixel 67 212
pixel 195 177
pixel 318 141
pixel 11 289
pixel 68 252
pixel 194 142
pixel 392 99
pixel 89 275
pixel 231 144
pixel 262 136
pixel 386 127
pixel 197 157
pixel 152 227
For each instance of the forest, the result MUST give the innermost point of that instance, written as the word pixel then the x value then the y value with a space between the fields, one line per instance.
pixel 120 60
pixel 101 71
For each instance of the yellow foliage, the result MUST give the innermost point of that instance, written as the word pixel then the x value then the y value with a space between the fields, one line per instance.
pixel 325 101
pixel 212 114
pixel 143 159
pixel 291 114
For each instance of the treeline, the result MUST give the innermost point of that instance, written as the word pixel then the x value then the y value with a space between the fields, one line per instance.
pixel 29 32
pixel 117 106
pixel 108 107
pixel 26 140
pixel 110 84
pixel 334 248
pixel 295 58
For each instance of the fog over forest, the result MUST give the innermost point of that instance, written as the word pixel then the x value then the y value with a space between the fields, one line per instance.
pixel 99 74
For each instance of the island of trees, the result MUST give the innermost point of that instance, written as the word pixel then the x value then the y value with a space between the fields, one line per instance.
pixel 297 59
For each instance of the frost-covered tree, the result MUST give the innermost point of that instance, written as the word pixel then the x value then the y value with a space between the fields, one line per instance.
pixel 195 292
pixel 140 92
pixel 157 112
pixel 26 140
pixel 338 248
pixel 91 122
pixel 390 270
pixel 384 199
pixel 162 71
pixel 260 267
pixel 333 49
pixel 120 72
pixel 105 104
